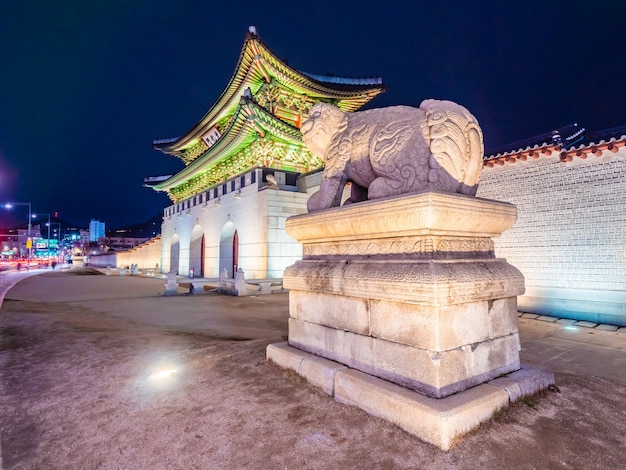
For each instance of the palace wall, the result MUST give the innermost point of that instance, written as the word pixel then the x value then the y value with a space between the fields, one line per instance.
pixel 570 237
pixel 146 256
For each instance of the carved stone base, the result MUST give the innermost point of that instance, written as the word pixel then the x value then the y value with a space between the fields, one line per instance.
pixel 400 307
pixel 408 289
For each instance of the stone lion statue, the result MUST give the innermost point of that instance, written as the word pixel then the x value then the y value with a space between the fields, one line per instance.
pixel 395 150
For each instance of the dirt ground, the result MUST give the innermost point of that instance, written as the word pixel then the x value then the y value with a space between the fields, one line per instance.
pixel 77 392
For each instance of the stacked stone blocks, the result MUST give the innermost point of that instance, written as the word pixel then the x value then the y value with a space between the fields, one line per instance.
pixel 394 304
pixel 401 308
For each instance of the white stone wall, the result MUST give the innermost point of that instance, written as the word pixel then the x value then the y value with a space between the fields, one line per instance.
pixel 257 212
pixel 282 250
pixel 570 237
pixel 167 232
pixel 146 256
pixel 248 214
pixel 104 260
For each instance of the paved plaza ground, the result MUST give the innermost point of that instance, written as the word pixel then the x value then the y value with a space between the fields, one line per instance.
pixel 78 353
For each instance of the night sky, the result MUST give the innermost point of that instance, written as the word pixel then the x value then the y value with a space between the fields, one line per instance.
pixel 86 85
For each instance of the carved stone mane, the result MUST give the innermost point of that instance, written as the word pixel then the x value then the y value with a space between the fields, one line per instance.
pixel 395 150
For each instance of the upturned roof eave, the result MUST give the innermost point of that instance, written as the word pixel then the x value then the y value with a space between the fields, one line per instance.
pixel 229 96
pixel 235 135
pixel 349 97
pixel 240 131
pixel 344 92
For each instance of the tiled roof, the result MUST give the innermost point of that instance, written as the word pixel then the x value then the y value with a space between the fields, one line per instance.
pixel 152 180
pixel 344 80
pixel 569 134
pixel 250 121
pixel 256 65
pixel 577 143
pixel 606 134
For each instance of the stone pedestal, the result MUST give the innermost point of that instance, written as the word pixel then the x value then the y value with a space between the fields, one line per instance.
pixel 407 289
pixel 240 283
pixel 171 286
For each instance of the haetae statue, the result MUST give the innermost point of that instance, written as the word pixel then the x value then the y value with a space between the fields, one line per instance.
pixel 395 150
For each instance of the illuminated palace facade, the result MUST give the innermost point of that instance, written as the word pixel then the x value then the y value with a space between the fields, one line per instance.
pixel 242 163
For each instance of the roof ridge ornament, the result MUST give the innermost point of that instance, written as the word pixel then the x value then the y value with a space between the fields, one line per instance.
pixel 252 30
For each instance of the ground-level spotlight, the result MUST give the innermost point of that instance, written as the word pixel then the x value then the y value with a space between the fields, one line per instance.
pixel 164 373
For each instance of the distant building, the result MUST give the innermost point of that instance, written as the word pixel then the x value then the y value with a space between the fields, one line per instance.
pixel 82 240
pixel 14 242
pixel 23 237
pixel 10 244
pixel 96 230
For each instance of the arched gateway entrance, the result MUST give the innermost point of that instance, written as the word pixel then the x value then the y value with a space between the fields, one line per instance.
pixel 229 249
pixel 174 254
pixel 196 252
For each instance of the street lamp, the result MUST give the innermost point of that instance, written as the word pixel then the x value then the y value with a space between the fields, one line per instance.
pixel 9 205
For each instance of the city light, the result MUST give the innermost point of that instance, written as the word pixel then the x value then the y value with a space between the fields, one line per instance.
pixel 32 248
pixel 29 241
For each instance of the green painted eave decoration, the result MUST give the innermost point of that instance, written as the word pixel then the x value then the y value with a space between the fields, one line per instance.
pixel 194 152
pixel 262 152
pixel 240 134
pixel 275 126
pixel 273 94
pixel 201 147
pixel 254 137
pixel 243 129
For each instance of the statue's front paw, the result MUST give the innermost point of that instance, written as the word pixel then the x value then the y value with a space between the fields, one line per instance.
pixel 314 203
